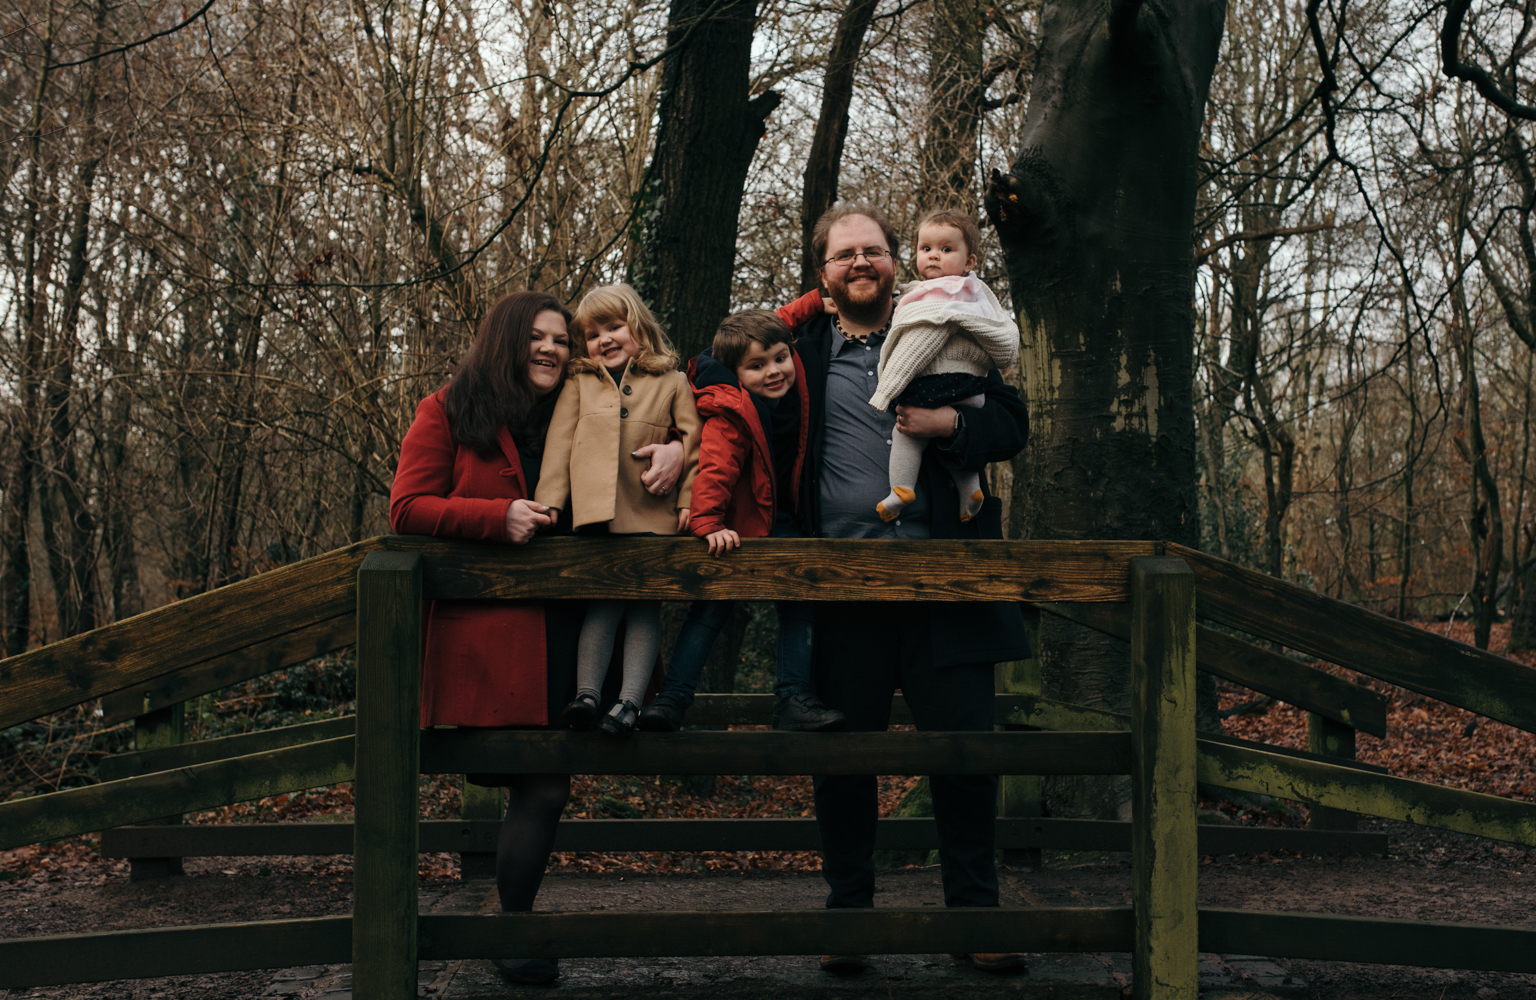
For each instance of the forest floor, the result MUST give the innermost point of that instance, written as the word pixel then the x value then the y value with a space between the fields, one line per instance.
pixel 66 887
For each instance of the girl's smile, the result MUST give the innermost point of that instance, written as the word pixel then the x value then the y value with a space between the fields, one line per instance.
pixel 611 344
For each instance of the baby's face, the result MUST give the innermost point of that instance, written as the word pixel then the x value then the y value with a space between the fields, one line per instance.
pixel 941 251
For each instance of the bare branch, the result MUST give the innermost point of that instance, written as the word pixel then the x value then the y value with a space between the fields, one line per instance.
pixel 1450 59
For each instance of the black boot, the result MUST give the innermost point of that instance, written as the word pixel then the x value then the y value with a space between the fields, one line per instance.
pixel 664 714
pixel 804 713
pixel 581 714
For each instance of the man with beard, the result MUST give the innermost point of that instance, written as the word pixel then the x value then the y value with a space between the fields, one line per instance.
pixel 939 654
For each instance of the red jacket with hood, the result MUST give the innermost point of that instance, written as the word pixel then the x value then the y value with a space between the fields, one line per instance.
pixel 735 487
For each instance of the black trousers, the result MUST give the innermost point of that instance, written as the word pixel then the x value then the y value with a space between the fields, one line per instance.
pixel 864 651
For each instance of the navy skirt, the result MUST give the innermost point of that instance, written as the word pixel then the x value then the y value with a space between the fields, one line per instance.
pixel 933 391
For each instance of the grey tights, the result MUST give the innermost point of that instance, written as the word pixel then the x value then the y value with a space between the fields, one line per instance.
pixel 907 460
pixel 594 650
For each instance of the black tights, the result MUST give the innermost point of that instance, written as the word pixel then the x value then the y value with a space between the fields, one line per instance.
pixel 534 802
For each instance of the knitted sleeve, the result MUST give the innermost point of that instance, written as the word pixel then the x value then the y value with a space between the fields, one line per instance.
pixel 911 347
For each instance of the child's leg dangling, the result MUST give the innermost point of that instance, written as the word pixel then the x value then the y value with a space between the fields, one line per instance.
pixel 906 461
pixel 594 650
pixel 642 637
pixel 968 484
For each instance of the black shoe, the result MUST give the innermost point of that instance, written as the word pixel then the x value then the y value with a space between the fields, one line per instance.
pixel 664 714
pixel 804 713
pixel 620 720
pixel 528 971
pixel 581 714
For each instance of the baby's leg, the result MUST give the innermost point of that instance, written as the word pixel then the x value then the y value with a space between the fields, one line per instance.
pixel 594 649
pixel 642 638
pixel 968 484
pixel 906 461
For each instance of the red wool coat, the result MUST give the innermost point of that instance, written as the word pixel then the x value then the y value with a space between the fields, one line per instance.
pixel 734 488
pixel 484 663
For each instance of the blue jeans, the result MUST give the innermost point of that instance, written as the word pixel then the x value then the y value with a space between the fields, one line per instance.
pixel 797 622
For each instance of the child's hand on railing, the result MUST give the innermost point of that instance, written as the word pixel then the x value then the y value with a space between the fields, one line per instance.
pixel 722 541
pixel 524 517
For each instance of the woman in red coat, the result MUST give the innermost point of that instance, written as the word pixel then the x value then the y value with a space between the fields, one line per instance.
pixel 468 469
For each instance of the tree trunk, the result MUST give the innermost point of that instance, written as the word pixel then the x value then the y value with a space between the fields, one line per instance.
pixel 710 127
pixel 1095 220
pixel 955 104
pixel 825 162
pixel 1522 621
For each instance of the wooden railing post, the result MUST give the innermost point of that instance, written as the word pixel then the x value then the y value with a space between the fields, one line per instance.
pixel 387 765
pixel 160 727
pixel 1164 850
pixel 1019 795
pixel 1335 739
pixel 480 802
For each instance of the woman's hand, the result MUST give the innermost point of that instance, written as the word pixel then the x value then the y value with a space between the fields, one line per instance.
pixel 722 541
pixel 524 517
pixel 666 466
pixel 682 520
pixel 919 422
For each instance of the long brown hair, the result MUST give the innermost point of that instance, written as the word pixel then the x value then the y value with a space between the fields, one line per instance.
pixel 491 389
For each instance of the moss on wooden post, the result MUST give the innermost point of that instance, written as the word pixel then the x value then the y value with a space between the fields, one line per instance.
pixel 1325 736
pixel 1164 849
pixel 480 802
pixel 388 770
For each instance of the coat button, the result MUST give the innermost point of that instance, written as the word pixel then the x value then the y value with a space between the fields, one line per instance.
pixel 623 412
pixel 628 389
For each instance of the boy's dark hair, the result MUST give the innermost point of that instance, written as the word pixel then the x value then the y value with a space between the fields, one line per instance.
pixel 738 331
pixel 955 219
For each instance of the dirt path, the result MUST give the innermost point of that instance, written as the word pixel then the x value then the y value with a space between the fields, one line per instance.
pixel 1428 876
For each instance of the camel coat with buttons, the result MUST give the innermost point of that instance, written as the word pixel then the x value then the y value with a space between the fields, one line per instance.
pixel 596 426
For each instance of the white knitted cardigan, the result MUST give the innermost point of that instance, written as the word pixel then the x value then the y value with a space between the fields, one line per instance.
pixel 949 324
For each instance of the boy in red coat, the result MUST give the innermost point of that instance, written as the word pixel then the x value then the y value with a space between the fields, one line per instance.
pixel 749 389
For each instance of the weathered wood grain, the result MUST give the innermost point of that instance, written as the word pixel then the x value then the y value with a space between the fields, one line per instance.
pixel 171 951
pixel 274 654
pixel 601 835
pixel 449 751
pixel 187 789
pixel 1325 937
pixel 1374 794
pixel 127 765
pixel 1362 640
pixel 1255 668
pixel 774 568
pixel 386 793
pixel 893 931
pixel 1165 853
pixel 162 641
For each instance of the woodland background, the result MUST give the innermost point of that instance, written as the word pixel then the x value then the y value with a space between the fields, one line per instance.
pixel 240 242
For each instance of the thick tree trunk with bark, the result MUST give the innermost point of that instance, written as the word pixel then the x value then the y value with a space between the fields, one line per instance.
pixel 956 98
pixel 1096 220
pixel 710 128
pixel 825 162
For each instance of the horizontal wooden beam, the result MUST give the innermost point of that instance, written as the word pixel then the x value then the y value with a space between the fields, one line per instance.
pixel 1329 938
pixel 127 765
pixel 1364 792
pixel 1058 716
pixel 139 954
pixel 159 642
pixel 1362 640
pixel 609 835
pixel 173 951
pixel 267 657
pixel 454 751
pixel 763 569
pixel 1255 668
pixel 189 789
pixel 920 931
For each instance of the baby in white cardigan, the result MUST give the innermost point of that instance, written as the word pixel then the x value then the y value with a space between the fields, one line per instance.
pixel 947 333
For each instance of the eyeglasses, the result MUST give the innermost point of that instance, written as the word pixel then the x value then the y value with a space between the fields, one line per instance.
pixel 847 257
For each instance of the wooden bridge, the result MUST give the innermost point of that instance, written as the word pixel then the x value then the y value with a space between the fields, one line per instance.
pixel 370 593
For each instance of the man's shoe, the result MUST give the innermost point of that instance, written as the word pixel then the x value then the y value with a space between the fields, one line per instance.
pixel 528 971
pixel 844 965
pixel 664 714
pixel 998 963
pixel 804 713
